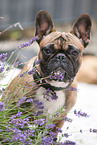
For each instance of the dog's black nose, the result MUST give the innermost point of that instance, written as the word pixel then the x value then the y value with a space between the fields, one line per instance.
pixel 61 57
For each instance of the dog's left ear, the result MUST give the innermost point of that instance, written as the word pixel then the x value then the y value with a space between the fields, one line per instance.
pixel 44 24
pixel 82 28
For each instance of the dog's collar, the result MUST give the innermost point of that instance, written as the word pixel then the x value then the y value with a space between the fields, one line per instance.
pixel 43 83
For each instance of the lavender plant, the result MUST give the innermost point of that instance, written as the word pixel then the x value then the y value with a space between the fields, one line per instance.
pixel 20 125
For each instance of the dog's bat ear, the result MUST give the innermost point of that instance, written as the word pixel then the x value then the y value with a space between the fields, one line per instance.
pixel 82 28
pixel 44 24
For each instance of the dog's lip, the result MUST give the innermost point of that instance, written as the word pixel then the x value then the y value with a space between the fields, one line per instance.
pixel 59 71
pixel 61 75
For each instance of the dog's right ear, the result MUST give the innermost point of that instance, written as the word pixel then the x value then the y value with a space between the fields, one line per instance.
pixel 82 28
pixel 44 24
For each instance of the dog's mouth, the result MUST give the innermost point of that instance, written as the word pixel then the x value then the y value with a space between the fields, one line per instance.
pixel 60 75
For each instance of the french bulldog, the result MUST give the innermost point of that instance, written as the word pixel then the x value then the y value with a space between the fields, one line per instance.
pixel 60 58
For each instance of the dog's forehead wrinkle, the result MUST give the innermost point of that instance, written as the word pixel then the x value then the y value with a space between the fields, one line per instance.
pixel 60 44
pixel 73 47
pixel 66 38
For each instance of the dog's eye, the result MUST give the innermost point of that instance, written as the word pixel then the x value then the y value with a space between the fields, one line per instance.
pixel 48 51
pixel 74 53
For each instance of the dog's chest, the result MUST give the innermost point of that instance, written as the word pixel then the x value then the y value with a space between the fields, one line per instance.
pixel 51 105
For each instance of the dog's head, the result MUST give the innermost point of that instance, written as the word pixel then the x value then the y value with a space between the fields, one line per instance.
pixel 61 52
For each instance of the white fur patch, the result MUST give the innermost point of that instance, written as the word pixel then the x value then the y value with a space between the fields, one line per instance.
pixel 53 105
pixel 58 84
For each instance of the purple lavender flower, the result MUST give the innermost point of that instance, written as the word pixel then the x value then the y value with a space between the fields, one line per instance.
pixel 2 106
pixel 30 100
pixel 30 72
pixel 8 128
pixel 54 96
pixel 73 89
pixel 65 118
pixel 57 76
pixel 27 120
pixel 49 95
pixel 26 44
pixel 13 116
pixel 27 142
pixel 16 130
pixel 66 135
pixel 29 132
pixel 40 122
pixel 16 64
pixel 27 82
pixel 48 140
pixel 3 57
pixel 37 113
pixel 18 137
pixel 1 68
pixel 52 133
pixel 67 142
pixel 33 39
pixel 93 130
pixel 6 140
pixel 58 130
pixel 80 113
pixel 0 130
pixel 25 86
pixel 51 126
pixel 22 137
pixel 19 114
pixel 39 104
pixel 38 61
pixel 21 101
pixel 18 123
pixel 3 89
pixel 21 75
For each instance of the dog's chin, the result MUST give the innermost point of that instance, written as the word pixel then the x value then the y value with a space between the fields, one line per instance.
pixel 59 69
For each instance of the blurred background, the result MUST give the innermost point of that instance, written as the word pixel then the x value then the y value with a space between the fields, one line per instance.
pixel 63 12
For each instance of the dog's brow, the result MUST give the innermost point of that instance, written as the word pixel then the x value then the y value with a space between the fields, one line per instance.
pixel 68 37
pixel 50 38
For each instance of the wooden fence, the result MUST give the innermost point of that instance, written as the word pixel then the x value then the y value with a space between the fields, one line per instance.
pixel 25 11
